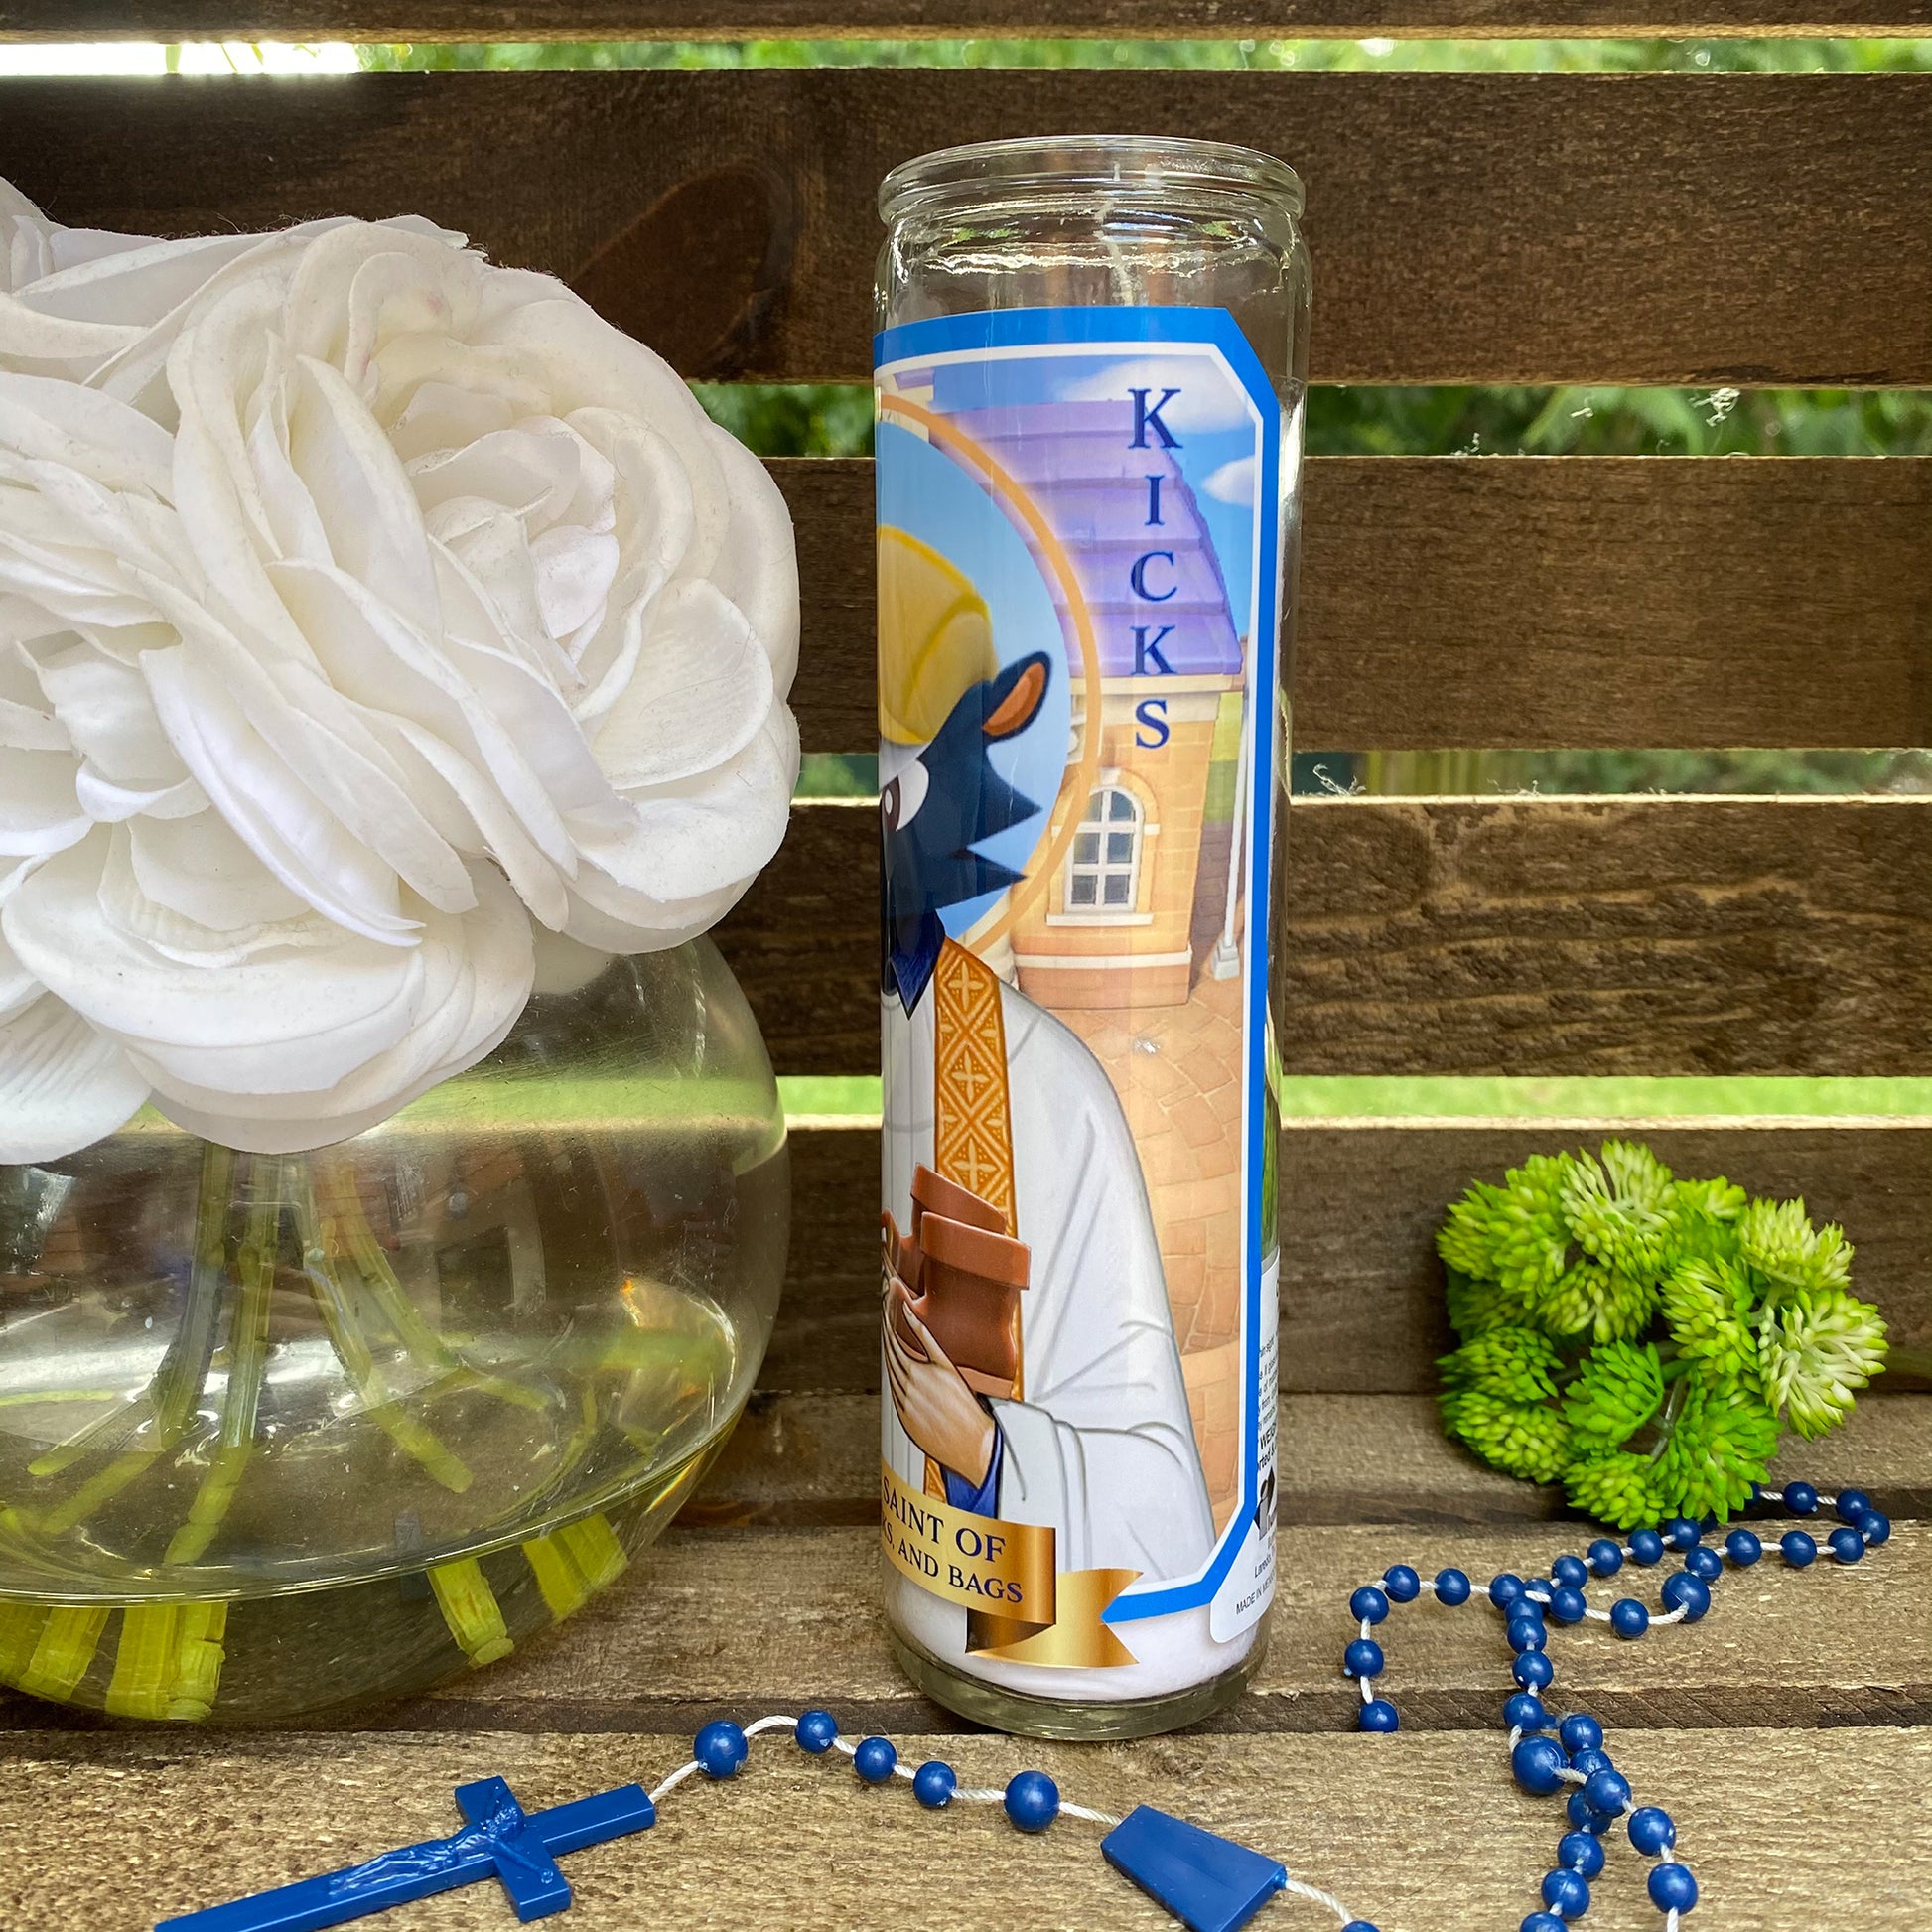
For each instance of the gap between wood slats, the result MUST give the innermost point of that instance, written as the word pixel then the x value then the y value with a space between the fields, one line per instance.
pixel 1495 936
pixel 735 20
pixel 1541 601
pixel 1788 1829
pixel 1361 1289
pixel 1464 228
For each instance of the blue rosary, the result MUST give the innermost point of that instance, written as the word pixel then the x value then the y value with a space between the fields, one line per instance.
pixel 1209 1883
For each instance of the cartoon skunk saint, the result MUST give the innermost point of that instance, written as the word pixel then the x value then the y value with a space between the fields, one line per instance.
pixel 1029 1343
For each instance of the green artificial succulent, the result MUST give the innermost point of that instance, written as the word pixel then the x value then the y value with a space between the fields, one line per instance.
pixel 1641 1338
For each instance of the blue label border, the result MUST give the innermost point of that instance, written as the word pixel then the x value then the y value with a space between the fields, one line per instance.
pixel 1101 327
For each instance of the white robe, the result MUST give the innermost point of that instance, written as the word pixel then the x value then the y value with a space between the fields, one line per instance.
pixel 1102 1449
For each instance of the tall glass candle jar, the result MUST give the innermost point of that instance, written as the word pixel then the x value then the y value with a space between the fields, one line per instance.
pixel 1089 372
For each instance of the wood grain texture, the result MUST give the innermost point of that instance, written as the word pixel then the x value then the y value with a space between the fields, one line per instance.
pixel 1638 935
pixel 1464 228
pixel 1461 601
pixel 1762 1659
pixel 730 20
pixel 1422 1831
pixel 813 1461
pixel 1361 1289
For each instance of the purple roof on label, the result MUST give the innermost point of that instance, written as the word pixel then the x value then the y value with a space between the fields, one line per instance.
pixel 1078 463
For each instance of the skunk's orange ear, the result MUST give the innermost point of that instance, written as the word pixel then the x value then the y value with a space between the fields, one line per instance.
pixel 1015 711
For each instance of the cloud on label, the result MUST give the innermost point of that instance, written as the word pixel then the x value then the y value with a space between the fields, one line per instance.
pixel 1233 483
pixel 1209 400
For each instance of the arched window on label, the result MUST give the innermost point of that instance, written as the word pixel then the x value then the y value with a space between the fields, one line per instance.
pixel 1103 871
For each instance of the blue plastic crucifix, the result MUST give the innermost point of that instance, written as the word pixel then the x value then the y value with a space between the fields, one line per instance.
pixel 500 1841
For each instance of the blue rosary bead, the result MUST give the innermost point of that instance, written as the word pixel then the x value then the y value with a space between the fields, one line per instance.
pixel 1681 1533
pixel 1646 1547
pixel 1505 1586
pixel 1652 1829
pixel 1573 1570
pixel 1605 1558
pixel 875 1758
pixel 1359 1925
pixel 1690 1593
pixel 721 1748
pixel 933 1784
pixel 1876 1526
pixel 1629 1617
pixel 1705 1563
pixel 1378 1715
pixel 817 1729
pixel 1800 1498
pixel 1451 1587
pixel 1589 1760
pixel 1799 1549
pixel 1566 1604
pixel 1671 1888
pixel 1848 1545
pixel 1537 1591
pixel 1851 1506
pixel 1362 1658
pixel 1032 1800
pixel 1368 1604
pixel 1581 1853
pixel 1533 1670
pixel 1537 1766
pixel 1402 1583
pixel 1580 1732
pixel 1583 1815
pixel 1542 1922
pixel 1525 1711
pixel 1526 1634
pixel 1742 1547
pixel 1608 1791
pixel 1566 1894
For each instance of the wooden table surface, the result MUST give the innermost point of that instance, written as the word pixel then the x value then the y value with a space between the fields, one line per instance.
pixel 1787 1733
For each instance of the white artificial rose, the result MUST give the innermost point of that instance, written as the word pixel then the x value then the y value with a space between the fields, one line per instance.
pixel 361 606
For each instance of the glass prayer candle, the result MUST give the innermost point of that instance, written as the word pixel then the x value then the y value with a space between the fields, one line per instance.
pixel 1090 375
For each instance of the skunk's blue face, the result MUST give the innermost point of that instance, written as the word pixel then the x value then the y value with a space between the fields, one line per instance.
pixel 935 810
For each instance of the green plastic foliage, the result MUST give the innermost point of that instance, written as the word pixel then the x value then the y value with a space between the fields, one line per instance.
pixel 1641 1338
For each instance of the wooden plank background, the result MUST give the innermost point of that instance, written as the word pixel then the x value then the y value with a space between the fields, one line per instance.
pixel 1421 1830
pixel 1361 1289
pixel 1463 600
pixel 729 20
pixel 1642 936
pixel 812 1461
pixel 1750 229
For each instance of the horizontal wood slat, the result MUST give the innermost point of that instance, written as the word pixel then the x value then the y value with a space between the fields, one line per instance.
pixel 1464 228
pixel 1421 1830
pixel 812 1461
pixel 1762 1660
pixel 730 20
pixel 1361 1289
pixel 1520 936
pixel 1463 600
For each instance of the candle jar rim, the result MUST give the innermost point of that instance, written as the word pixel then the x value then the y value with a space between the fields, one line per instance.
pixel 1086 165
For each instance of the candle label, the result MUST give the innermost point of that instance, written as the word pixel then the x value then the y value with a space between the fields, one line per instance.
pixel 1079 571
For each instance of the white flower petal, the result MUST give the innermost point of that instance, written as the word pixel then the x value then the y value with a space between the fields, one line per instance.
pixel 758 568
pixel 700 693
pixel 62 1085
pixel 280 818
pixel 284 1019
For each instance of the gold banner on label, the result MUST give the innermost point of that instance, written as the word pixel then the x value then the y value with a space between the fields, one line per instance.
pixel 1002 1574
